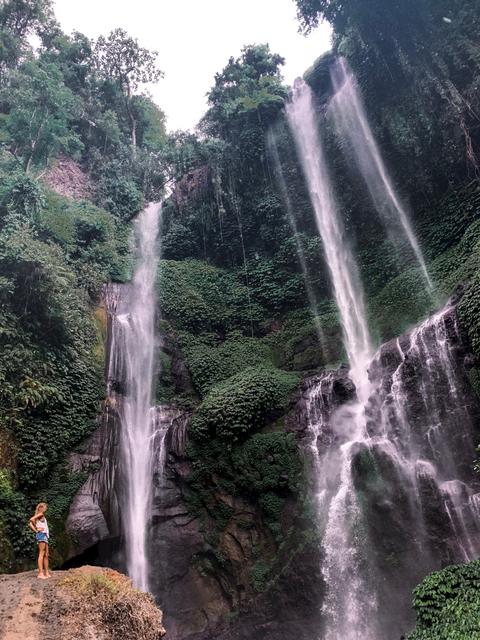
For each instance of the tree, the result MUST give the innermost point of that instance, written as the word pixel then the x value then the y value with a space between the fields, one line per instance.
pixel 248 90
pixel 121 57
pixel 40 114
pixel 18 19
pixel 74 57
pixel 367 15
pixel 151 132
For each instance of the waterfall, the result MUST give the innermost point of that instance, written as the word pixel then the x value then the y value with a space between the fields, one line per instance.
pixel 352 124
pixel 312 298
pixel 395 494
pixel 341 264
pixel 404 501
pixel 350 604
pixel 131 382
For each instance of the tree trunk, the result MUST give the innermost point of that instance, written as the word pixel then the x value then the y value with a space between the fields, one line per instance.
pixel 134 135
pixel 133 123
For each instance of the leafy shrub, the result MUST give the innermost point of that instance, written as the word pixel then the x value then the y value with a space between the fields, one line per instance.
pixel 96 243
pixel 119 195
pixel 211 361
pixel 50 373
pixel 445 225
pixel 266 469
pixel 447 604
pixel 469 312
pixel 21 198
pixel 15 538
pixel 299 346
pixel 275 288
pixel 179 243
pixel 242 404
pixel 268 462
pixel 259 575
pixel 196 296
pixel 400 304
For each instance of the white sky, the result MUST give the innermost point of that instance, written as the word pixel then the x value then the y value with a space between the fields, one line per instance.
pixel 195 38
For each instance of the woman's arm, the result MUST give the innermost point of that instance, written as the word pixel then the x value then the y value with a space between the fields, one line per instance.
pixel 33 520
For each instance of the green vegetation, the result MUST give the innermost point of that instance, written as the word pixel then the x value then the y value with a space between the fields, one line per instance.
pixel 229 454
pixel 211 360
pixel 232 289
pixel 447 604
pixel 241 404
pixel 55 252
pixel 259 576
pixel 197 296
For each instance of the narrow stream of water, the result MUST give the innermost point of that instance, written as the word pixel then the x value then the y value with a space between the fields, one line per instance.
pixel 133 343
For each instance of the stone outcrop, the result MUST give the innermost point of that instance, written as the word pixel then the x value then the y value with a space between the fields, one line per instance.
pixel 67 178
pixel 192 187
pixel 86 522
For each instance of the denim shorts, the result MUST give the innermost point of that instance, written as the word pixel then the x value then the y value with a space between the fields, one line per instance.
pixel 41 537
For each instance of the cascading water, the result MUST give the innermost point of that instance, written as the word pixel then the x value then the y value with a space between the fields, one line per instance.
pixel 341 264
pixel 352 124
pixel 350 604
pixel 132 366
pixel 395 495
pixel 312 298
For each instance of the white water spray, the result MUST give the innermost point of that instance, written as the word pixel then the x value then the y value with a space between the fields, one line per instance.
pixel 352 124
pixel 312 298
pixel 343 269
pixel 133 346
pixel 350 604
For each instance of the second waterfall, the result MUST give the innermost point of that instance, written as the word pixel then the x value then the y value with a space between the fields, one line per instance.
pixel 350 604
pixel 395 499
pixel 133 364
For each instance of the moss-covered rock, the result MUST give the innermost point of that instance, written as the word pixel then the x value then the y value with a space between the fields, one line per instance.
pixel 242 404
pixel 195 296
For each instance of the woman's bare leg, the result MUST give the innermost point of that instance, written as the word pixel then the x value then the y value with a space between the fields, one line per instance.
pixel 41 558
pixel 45 562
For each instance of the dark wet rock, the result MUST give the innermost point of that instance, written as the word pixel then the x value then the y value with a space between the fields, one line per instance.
pixel 202 574
pixel 192 187
pixel 339 390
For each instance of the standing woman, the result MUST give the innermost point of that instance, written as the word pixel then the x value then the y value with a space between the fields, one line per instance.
pixel 38 524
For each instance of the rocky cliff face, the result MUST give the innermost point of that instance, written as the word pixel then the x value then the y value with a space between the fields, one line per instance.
pixel 203 577
pixel 67 178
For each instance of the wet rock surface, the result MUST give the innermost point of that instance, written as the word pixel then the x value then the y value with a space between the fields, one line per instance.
pixel 205 585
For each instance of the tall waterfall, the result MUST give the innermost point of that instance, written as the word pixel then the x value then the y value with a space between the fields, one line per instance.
pixel 352 124
pixel 132 366
pixel 312 298
pixel 395 497
pixel 341 264
pixel 350 603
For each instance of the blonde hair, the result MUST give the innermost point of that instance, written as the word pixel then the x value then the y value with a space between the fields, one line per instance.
pixel 40 508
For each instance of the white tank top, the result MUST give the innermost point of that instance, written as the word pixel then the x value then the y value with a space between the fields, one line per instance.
pixel 42 526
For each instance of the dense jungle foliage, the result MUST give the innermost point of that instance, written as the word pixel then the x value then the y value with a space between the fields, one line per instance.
pixel 247 314
pixel 63 99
